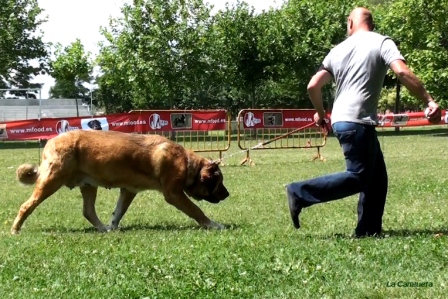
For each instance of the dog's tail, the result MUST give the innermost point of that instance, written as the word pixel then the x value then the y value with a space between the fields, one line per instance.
pixel 27 174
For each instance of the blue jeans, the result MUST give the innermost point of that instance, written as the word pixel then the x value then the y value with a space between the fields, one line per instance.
pixel 365 174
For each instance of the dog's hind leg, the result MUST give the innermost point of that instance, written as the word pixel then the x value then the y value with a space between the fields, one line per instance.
pixel 46 185
pixel 123 203
pixel 183 203
pixel 88 210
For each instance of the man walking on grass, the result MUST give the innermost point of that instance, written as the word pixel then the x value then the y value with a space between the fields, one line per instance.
pixel 358 66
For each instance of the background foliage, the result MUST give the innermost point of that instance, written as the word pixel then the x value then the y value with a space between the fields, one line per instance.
pixel 237 59
pixel 23 54
pixel 71 68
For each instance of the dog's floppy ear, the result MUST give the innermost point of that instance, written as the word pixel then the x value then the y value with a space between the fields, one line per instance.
pixel 210 170
pixel 216 162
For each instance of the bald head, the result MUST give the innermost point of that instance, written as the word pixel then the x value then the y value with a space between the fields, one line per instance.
pixel 360 19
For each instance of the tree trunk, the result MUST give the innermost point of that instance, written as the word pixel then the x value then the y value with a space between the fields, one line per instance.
pixel 253 94
pixel 397 102
pixel 77 108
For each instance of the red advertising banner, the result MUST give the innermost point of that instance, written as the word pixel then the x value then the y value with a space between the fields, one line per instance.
pixel 296 118
pixel 276 118
pixel 410 119
pixel 136 122
pixel 195 120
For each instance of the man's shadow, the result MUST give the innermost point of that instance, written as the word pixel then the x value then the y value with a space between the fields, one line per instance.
pixel 392 233
pixel 415 232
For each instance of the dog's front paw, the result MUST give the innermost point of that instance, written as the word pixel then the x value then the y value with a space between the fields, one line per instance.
pixel 214 225
pixel 105 228
pixel 101 229
pixel 109 228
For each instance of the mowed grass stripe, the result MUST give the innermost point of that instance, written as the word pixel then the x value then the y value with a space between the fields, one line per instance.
pixel 160 253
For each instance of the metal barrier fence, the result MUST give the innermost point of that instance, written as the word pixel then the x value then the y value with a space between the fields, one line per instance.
pixel 207 130
pixel 278 129
pixel 196 130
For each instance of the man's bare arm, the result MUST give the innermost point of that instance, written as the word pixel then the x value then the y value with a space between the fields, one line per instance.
pixel 410 81
pixel 315 85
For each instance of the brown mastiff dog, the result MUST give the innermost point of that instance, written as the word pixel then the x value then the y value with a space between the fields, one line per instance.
pixel 133 163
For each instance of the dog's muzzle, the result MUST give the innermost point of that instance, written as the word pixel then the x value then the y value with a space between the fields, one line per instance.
pixel 218 196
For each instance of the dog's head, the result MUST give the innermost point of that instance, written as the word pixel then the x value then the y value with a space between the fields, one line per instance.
pixel 95 124
pixel 208 184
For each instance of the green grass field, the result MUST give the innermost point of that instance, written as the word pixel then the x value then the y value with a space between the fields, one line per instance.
pixel 160 253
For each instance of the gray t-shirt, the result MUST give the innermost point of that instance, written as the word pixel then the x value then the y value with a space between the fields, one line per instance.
pixel 358 66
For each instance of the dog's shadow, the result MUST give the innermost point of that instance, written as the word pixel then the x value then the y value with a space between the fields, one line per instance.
pixel 140 227
pixel 393 233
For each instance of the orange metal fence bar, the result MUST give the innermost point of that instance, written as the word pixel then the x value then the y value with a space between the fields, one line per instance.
pixel 179 127
pixel 258 126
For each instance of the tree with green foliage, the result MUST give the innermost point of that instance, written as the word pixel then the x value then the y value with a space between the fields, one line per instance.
pixel 421 29
pixel 156 54
pixel 71 68
pixel 295 39
pixel 238 45
pixel 163 54
pixel 66 90
pixel 23 54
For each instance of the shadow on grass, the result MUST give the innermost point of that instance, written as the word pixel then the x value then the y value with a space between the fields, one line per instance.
pixel 437 132
pixel 138 227
pixel 21 144
pixel 399 233
pixel 171 227
pixel 416 232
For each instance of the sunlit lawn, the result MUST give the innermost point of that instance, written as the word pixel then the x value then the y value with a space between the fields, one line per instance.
pixel 160 253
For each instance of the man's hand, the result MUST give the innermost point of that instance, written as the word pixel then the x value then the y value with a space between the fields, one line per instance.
pixel 433 112
pixel 323 122
pixel 320 121
pixel 433 107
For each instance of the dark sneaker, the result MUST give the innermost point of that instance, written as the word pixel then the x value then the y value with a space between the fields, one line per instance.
pixel 294 208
